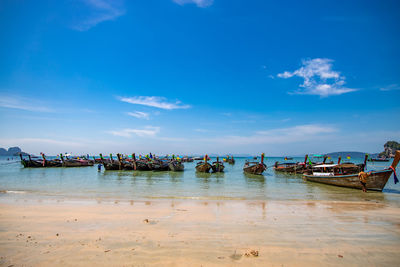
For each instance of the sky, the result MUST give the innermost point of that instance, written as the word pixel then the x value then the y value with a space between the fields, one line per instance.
pixel 199 76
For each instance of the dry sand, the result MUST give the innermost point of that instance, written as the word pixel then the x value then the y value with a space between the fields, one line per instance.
pixel 198 233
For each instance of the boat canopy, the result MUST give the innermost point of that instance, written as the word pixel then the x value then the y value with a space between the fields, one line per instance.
pixel 325 166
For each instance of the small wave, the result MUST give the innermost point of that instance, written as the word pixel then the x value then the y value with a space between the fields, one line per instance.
pixel 12 192
pixel 196 198
pixel 390 190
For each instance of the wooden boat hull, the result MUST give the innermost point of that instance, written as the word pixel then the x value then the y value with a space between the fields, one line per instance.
pixel 158 166
pixel 217 167
pixel 112 166
pixel 176 166
pixel 290 169
pixel 128 165
pixel 32 164
pixel 258 168
pixel 379 160
pixel 204 167
pixel 142 166
pixel 74 163
pixel 53 163
pixel 376 181
pixel 40 164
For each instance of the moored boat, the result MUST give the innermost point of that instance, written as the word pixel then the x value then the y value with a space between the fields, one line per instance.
pixel 217 166
pixel 292 167
pixel 158 165
pixel 39 163
pixel 203 166
pixel 255 167
pixel 176 165
pixel 379 159
pixel 75 162
pixel 334 175
pixel 110 164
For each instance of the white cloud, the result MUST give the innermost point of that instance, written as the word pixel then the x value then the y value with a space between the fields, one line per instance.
pixel 100 11
pixel 139 115
pixel 148 131
pixel 199 3
pixel 16 102
pixel 154 101
pixel 319 78
pixel 391 87
pixel 299 133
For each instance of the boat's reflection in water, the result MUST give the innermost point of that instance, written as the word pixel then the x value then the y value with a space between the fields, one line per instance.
pixel 254 179
pixel 210 180
pixel 176 177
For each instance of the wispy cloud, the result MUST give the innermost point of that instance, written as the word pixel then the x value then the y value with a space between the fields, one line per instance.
pixel 148 131
pixel 299 133
pixel 42 141
pixel 199 3
pixel 100 11
pixel 390 87
pixel 319 78
pixel 200 130
pixel 17 102
pixel 154 101
pixel 139 115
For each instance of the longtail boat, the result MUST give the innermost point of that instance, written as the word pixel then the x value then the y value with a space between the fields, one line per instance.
pixel 29 163
pixel 75 162
pixel 37 163
pixel 255 167
pixel 142 164
pixel 125 163
pixel 217 166
pixel 187 159
pixel 331 175
pixel 110 164
pixel 229 159
pixel 51 163
pixel 378 159
pixel 291 167
pixel 158 165
pixel 176 165
pixel 203 166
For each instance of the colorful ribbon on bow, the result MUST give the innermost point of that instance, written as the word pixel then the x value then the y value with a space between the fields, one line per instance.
pixel 394 175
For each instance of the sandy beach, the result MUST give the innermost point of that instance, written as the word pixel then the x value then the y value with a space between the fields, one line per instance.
pixel 198 233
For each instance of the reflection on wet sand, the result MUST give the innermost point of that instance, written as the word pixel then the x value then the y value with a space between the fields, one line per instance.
pixel 328 192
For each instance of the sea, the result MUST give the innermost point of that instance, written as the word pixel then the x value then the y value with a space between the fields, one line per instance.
pixel 87 183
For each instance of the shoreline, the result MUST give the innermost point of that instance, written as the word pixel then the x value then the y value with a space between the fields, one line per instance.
pixel 199 232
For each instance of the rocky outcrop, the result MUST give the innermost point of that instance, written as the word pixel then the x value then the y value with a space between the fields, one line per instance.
pixel 12 151
pixel 390 149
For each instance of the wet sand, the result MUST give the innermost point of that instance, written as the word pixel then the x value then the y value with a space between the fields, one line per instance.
pixel 199 233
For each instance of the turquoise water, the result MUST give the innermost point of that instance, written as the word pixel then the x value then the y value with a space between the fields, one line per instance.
pixel 88 183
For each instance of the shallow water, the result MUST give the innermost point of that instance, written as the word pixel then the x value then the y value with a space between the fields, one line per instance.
pixel 88 183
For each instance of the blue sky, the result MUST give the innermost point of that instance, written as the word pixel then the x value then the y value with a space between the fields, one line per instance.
pixel 199 76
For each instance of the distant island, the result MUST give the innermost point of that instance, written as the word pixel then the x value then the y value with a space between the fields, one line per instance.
pixel 352 154
pixel 11 152
pixel 390 149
